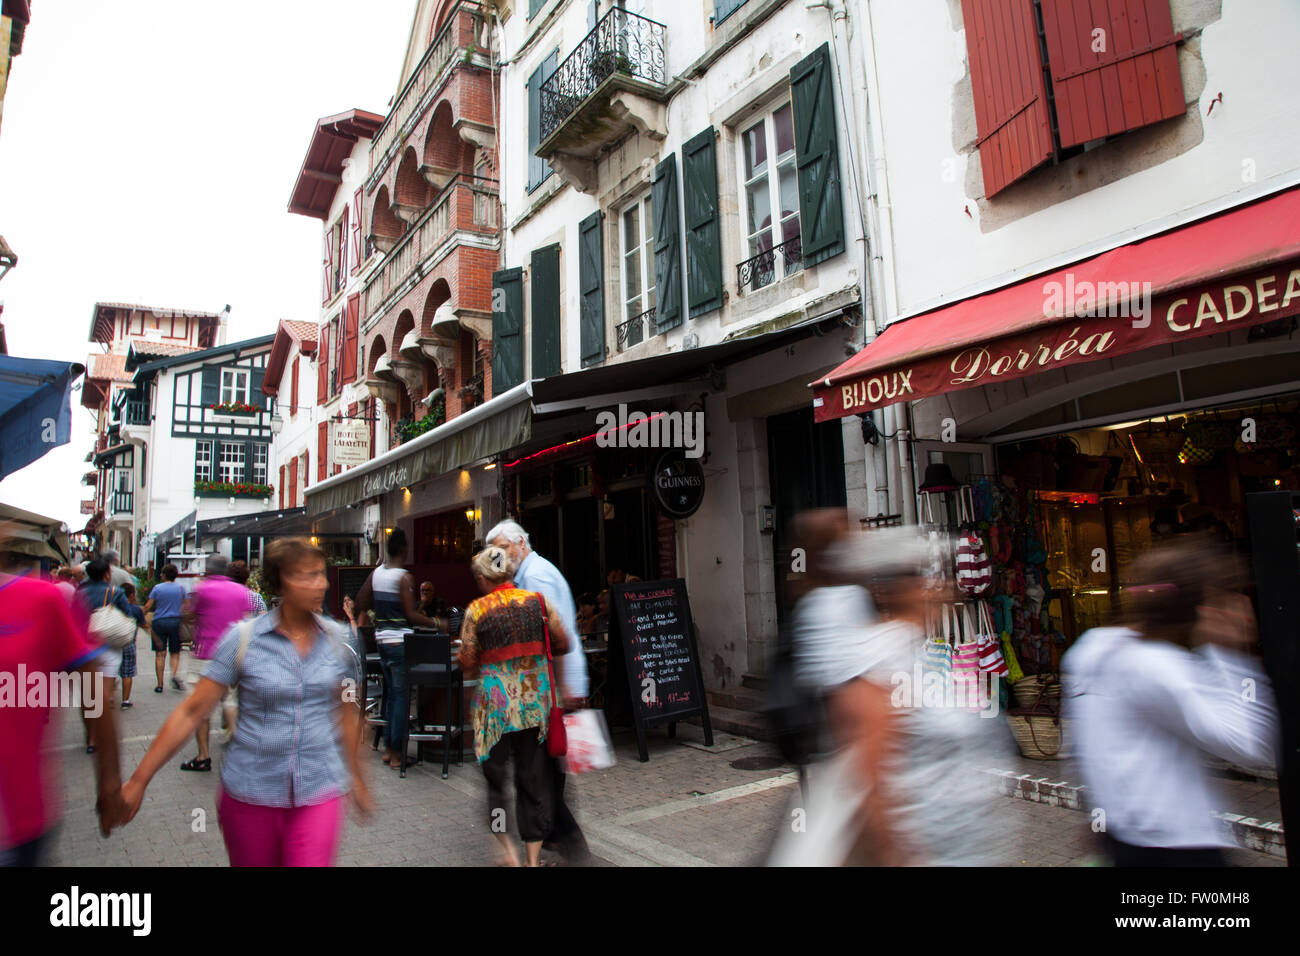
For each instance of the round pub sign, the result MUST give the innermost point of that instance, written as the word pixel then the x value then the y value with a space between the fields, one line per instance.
pixel 677 484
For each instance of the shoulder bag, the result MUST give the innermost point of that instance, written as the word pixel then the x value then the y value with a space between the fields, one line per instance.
pixel 556 738
pixel 110 626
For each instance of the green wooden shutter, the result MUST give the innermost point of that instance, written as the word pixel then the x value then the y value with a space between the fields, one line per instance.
pixel 668 256
pixel 725 8
pixel 545 279
pixel 816 143
pixel 507 329
pixel 591 289
pixel 210 389
pixel 539 170
pixel 703 234
pixel 255 394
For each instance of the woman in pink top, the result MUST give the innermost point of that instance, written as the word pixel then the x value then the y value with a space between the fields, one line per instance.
pixel 218 602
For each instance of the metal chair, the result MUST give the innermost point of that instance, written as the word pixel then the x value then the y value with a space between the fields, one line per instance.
pixel 373 674
pixel 429 664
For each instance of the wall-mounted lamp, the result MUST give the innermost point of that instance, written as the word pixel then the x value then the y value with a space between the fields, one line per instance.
pixel 472 515
pixel 489 466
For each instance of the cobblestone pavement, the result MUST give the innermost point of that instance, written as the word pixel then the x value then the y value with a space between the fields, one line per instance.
pixel 688 806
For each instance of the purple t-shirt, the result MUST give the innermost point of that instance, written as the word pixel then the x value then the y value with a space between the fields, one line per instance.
pixel 218 603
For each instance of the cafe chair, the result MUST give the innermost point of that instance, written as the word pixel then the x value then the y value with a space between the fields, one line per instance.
pixel 374 691
pixel 429 664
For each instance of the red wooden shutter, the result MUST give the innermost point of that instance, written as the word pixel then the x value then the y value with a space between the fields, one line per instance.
pixel 351 330
pixel 293 385
pixel 322 364
pixel 356 230
pixel 327 267
pixel 372 412
pixel 293 484
pixel 345 256
pixel 282 487
pixel 1006 70
pixel 322 450
pixel 1132 80
pixel 306 472
pixel 337 326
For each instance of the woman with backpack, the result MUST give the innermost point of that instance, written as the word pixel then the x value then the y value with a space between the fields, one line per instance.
pixel 294 759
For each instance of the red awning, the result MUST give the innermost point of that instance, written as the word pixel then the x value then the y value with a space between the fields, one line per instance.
pixel 1233 270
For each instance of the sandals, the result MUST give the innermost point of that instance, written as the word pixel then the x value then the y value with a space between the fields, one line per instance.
pixel 197 764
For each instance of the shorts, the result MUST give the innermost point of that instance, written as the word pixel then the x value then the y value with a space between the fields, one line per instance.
pixel 194 669
pixel 167 635
pixel 109 661
pixel 127 668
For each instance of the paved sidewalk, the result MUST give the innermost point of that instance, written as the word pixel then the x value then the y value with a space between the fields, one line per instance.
pixel 688 806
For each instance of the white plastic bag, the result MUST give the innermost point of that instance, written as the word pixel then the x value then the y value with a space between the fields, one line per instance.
pixel 589 745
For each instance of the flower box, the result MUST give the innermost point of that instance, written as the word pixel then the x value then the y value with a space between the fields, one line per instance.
pixel 234 408
pixel 228 489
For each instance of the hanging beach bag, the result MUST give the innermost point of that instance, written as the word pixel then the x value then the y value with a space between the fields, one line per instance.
pixel 974 570
pixel 966 677
pixel 990 648
pixel 936 655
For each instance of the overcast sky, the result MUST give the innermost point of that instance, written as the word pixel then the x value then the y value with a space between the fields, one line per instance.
pixel 147 153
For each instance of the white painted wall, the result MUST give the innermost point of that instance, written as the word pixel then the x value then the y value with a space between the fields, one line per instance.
pixel 750 73
pixel 942 254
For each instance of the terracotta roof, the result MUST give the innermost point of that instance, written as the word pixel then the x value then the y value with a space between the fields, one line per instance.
pixel 304 333
pixel 322 168
pixel 109 367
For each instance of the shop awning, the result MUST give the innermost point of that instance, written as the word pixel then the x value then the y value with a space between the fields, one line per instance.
pixel 507 420
pixel 177 531
pixel 25 532
pixel 492 427
pixel 34 412
pixel 1233 270
pixel 265 524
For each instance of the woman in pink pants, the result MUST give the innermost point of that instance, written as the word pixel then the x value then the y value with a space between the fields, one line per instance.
pixel 294 756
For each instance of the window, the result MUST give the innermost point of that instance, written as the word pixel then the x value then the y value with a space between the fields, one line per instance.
pixel 638 266
pixel 203 461
pixel 232 461
pixel 770 180
pixel 122 491
pixel 260 454
pixel 482 201
pixel 725 8
pixel 234 385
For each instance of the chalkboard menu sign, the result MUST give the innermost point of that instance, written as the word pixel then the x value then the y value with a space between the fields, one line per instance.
pixel 651 630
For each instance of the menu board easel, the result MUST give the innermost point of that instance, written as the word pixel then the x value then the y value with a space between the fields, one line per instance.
pixel 652 630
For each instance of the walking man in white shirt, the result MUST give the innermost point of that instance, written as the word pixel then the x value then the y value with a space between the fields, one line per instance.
pixel 534 573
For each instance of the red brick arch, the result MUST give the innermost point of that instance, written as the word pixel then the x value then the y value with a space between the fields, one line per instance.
pixel 377 351
pixel 409 188
pixel 439 293
pixel 383 221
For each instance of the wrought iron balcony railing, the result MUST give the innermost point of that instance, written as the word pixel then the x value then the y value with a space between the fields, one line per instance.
pixel 632 332
pixel 122 502
pixel 765 268
pixel 620 42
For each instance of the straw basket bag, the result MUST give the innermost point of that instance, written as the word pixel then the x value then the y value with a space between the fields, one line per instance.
pixel 1039 730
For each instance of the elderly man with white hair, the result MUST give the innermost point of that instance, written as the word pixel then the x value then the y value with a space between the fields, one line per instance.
pixel 534 573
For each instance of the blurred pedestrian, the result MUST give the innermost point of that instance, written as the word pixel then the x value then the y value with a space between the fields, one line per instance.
pixel 97 592
pixel 238 572
pixel 532 572
pixel 217 603
pixel 902 786
pixel 167 599
pixel 504 638
pixel 42 635
pixel 390 593
pixel 127 670
pixel 1175 680
pixel 118 575
pixel 294 759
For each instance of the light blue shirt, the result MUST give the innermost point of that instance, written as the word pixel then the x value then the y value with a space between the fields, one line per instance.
pixel 288 750
pixel 535 573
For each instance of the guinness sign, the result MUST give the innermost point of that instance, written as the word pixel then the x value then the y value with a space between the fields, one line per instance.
pixel 677 484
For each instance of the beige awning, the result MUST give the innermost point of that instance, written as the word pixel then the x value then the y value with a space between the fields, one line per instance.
pixel 25 532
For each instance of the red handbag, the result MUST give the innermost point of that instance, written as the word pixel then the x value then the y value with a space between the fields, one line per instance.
pixel 557 741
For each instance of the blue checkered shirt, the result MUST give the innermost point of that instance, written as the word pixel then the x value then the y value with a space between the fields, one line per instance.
pixel 287 751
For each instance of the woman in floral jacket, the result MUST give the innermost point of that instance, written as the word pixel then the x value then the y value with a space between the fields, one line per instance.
pixel 504 638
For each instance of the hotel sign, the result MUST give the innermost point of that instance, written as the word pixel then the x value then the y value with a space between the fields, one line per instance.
pixel 351 443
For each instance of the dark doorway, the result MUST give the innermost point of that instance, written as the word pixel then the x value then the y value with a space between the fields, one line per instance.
pixel 806 470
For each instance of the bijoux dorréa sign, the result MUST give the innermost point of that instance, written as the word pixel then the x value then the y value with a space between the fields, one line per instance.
pixel 1240 302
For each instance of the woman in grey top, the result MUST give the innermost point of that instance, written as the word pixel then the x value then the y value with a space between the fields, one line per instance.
pixel 294 755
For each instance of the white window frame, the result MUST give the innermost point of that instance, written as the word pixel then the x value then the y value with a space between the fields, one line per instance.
pixel 232 454
pixel 261 462
pixel 775 164
pixel 646 261
pixel 234 385
pixel 203 461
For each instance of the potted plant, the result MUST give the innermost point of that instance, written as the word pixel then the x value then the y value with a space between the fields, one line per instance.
pixel 234 408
